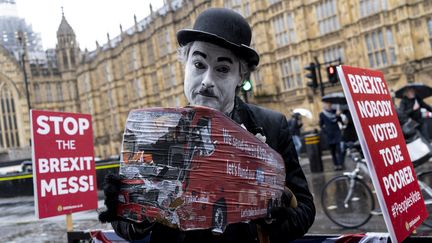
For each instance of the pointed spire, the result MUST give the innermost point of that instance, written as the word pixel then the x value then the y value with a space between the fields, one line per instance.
pixel 121 29
pixel 64 28
pixel 109 39
pixel 135 23
pixel 151 9
pixel 97 45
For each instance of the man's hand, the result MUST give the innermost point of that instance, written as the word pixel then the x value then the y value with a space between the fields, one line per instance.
pixel 286 210
pixel 111 191
pixel 288 204
pixel 127 230
pixel 288 198
pixel 416 105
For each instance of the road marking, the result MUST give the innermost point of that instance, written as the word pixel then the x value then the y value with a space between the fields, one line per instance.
pixel 17 177
pixel 8 178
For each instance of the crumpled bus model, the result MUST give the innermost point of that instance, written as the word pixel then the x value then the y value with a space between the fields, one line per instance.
pixel 195 168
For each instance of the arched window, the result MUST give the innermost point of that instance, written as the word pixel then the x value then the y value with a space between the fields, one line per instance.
pixel 72 57
pixel 65 59
pixel 8 121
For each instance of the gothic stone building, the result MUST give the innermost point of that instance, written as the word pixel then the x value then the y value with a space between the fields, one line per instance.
pixel 139 68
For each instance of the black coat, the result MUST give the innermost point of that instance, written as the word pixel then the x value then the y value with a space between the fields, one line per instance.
pixel 290 224
pixel 330 128
pixel 349 133
pixel 406 107
pixel 295 126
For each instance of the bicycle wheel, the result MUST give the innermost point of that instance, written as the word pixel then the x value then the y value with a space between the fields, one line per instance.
pixel 426 190
pixel 345 205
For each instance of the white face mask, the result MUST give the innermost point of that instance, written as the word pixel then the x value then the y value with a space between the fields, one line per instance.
pixel 211 76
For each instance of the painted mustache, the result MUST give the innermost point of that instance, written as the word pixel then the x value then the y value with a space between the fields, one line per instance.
pixel 207 92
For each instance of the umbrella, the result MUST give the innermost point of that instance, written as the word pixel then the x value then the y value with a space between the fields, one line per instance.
pixel 335 98
pixel 304 112
pixel 421 90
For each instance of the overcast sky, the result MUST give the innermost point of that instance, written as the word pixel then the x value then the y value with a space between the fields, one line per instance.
pixel 90 19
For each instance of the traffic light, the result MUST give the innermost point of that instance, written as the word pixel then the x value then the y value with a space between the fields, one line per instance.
pixel 312 75
pixel 332 74
pixel 246 86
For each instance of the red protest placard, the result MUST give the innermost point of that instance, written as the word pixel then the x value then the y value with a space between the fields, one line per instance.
pixel 385 150
pixel 64 178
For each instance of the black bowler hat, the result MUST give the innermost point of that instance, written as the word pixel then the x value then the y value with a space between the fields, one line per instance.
pixel 225 28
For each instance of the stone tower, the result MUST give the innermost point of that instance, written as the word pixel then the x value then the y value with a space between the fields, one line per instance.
pixel 67 49
pixel 67 56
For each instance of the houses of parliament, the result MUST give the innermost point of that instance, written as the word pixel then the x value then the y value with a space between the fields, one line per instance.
pixel 140 68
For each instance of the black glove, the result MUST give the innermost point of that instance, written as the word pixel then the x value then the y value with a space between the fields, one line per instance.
pixel 111 190
pixel 288 205
pixel 288 198
pixel 125 229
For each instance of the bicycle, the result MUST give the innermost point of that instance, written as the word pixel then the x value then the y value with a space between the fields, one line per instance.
pixel 348 201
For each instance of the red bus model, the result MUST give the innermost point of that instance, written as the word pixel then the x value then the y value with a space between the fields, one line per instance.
pixel 195 168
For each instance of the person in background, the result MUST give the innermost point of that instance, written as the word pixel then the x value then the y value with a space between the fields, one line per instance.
pixel 217 57
pixel 295 124
pixel 329 120
pixel 411 107
pixel 349 134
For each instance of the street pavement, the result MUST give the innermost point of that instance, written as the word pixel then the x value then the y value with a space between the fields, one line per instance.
pixel 19 224
pixel 322 224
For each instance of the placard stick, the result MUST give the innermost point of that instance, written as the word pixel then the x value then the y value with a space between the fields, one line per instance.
pixel 69 223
